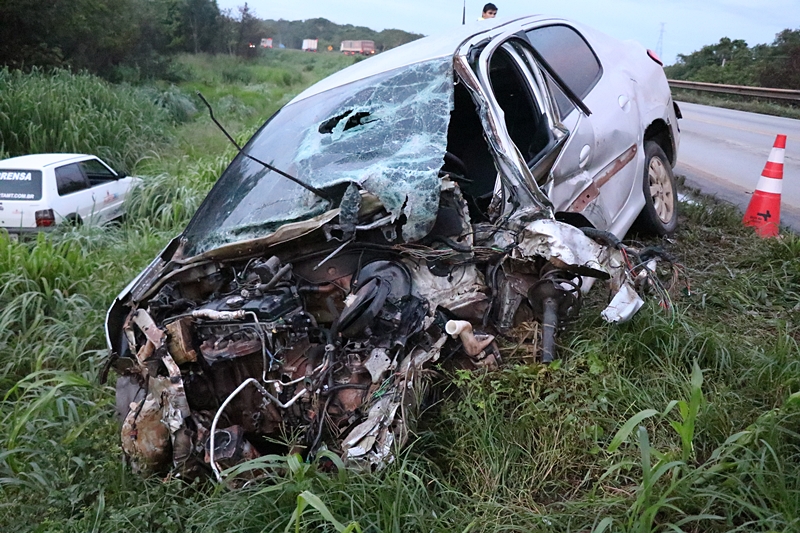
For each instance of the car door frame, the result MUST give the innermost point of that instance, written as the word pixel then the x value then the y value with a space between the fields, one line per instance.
pixel 80 203
pixel 516 184
pixel 515 177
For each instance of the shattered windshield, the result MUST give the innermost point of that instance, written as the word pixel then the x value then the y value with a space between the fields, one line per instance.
pixel 388 133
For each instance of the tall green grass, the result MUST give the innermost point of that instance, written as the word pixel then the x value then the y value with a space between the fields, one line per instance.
pixel 63 112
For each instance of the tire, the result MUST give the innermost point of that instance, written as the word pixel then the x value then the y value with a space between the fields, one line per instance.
pixel 660 213
pixel 74 220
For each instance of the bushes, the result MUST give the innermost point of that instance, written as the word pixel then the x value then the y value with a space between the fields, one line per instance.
pixel 180 107
pixel 167 202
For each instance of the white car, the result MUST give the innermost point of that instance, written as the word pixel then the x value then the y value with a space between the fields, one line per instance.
pixel 43 190
pixel 385 224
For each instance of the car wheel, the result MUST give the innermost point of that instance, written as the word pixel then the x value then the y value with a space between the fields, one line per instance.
pixel 74 220
pixel 660 212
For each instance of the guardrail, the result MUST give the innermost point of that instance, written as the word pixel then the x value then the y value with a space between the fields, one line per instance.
pixel 742 90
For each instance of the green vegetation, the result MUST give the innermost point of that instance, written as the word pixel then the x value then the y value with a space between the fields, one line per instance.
pixel 291 33
pixel 733 62
pixel 742 103
pixel 775 65
pixel 61 112
pixel 681 420
pixel 136 40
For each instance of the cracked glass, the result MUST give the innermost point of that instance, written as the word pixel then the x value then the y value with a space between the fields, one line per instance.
pixel 386 133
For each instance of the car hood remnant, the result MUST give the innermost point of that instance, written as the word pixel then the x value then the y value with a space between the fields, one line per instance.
pixel 284 322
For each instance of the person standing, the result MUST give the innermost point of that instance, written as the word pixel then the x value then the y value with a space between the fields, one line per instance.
pixel 489 11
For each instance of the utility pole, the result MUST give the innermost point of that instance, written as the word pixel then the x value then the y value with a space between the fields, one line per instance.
pixel 660 44
pixel 464 13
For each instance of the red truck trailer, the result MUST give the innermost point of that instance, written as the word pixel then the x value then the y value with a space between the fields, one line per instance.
pixel 357 47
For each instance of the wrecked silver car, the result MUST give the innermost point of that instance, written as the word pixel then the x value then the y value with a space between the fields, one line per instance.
pixel 388 223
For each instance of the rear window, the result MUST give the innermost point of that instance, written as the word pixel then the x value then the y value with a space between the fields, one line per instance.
pixel 20 184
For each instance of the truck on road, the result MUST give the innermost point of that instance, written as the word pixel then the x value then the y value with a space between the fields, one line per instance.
pixel 310 45
pixel 350 48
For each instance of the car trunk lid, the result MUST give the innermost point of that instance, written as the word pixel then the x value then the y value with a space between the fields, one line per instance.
pixel 20 192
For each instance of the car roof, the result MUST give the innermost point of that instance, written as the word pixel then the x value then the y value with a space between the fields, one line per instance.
pixel 42 160
pixel 425 49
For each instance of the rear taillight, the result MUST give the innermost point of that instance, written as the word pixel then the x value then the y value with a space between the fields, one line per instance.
pixel 45 218
pixel 654 57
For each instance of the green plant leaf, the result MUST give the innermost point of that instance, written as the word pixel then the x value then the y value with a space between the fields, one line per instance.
pixel 265 462
pixel 628 427
pixel 307 498
pixel 295 462
pixel 604 524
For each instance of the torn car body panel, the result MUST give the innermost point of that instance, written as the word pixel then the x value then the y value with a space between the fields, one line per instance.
pixel 284 321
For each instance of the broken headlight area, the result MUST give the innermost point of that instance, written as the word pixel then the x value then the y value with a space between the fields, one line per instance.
pixel 331 338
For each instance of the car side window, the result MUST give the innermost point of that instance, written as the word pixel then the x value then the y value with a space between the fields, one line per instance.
pixel 70 178
pixel 97 172
pixel 570 56
pixel 525 121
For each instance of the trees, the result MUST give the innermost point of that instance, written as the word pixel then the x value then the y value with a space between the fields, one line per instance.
pixel 194 25
pixel 249 32
pixel 133 39
pixel 292 32
pixel 101 35
pixel 90 34
pixel 733 62
pixel 781 64
pixel 729 61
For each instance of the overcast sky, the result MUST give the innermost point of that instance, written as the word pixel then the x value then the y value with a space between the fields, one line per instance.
pixel 688 24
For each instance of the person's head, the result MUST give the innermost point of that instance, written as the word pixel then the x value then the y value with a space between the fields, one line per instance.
pixel 489 11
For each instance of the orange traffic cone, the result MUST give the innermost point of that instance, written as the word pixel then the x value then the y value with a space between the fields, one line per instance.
pixel 764 211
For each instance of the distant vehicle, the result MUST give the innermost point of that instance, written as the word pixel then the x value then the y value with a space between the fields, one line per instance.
pixel 43 190
pixel 310 45
pixel 266 43
pixel 350 48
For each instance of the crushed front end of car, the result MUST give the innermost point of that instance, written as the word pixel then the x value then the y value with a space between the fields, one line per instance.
pixel 295 318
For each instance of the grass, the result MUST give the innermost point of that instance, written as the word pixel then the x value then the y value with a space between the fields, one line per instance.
pixel 680 420
pixel 62 112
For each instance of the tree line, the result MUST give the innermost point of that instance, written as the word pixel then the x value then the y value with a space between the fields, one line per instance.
pixel 290 33
pixel 133 39
pixel 775 65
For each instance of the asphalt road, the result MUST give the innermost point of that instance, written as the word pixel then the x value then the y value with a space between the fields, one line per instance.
pixel 723 152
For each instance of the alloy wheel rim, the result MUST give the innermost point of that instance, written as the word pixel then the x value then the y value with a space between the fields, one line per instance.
pixel 661 190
